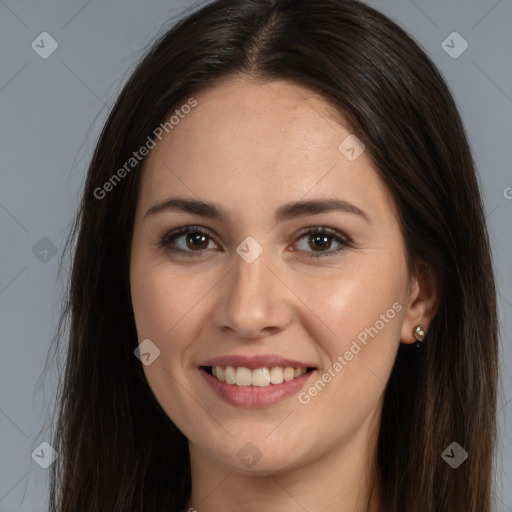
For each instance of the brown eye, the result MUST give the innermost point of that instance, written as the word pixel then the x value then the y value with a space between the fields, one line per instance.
pixel 317 242
pixel 196 241
pixel 188 241
pixel 320 242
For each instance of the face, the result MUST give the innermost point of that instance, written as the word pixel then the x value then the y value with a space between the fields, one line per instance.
pixel 299 308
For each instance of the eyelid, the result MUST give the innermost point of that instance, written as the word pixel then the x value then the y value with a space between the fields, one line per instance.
pixel 183 230
pixel 335 233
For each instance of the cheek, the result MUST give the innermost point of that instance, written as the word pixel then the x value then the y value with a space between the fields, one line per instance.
pixel 166 306
pixel 164 303
pixel 355 317
pixel 364 311
pixel 350 301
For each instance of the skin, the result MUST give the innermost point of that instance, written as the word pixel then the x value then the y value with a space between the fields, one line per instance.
pixel 251 147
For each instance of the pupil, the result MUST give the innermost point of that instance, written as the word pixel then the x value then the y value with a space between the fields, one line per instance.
pixel 321 241
pixel 197 238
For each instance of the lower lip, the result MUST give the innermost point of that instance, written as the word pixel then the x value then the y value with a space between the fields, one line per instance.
pixel 254 396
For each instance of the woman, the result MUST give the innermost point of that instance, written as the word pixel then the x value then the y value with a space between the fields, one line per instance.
pixel 282 293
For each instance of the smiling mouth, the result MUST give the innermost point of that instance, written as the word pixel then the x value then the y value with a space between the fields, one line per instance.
pixel 257 377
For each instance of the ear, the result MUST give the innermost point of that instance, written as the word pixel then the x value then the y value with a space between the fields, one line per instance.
pixel 422 303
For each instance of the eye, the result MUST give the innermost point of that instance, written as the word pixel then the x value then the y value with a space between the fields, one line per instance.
pixel 193 240
pixel 187 241
pixel 320 239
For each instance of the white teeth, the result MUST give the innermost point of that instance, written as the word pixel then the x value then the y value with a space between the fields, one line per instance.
pixel 243 376
pixel 259 377
pixel 220 373
pixel 230 375
pixel 276 375
pixel 288 374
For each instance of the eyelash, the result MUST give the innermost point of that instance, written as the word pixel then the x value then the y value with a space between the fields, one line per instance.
pixel 168 238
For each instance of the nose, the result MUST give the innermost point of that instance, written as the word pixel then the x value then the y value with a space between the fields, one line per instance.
pixel 253 302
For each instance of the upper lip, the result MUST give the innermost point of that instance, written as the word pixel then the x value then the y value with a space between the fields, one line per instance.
pixel 253 362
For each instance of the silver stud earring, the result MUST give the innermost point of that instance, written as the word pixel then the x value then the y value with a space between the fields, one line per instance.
pixel 419 334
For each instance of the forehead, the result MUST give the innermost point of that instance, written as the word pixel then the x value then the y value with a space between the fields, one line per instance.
pixel 261 116
pixel 269 142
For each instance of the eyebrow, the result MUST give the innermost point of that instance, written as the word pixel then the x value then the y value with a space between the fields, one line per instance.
pixel 286 212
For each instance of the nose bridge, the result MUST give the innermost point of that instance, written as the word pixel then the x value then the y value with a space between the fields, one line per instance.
pixel 251 281
pixel 254 301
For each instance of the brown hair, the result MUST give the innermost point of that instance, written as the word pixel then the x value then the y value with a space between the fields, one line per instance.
pixel 118 450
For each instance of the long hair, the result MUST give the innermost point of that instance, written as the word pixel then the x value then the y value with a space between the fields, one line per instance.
pixel 118 450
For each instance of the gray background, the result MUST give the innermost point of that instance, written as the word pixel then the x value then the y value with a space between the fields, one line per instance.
pixel 51 111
